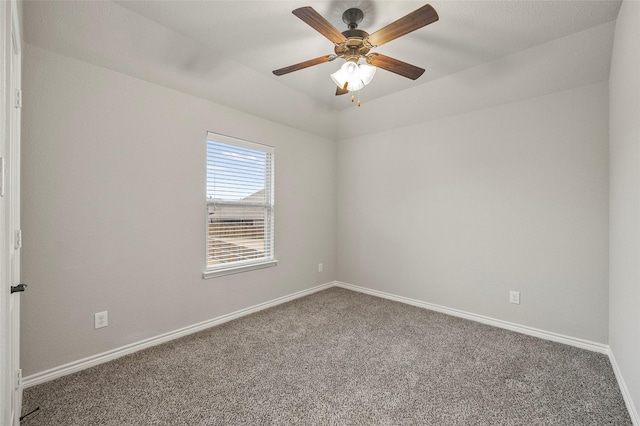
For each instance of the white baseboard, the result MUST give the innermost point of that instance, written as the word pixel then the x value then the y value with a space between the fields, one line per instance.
pixel 548 335
pixel 93 360
pixel 633 412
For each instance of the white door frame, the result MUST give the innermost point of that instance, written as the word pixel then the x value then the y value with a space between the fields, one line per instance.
pixel 10 237
pixel 5 347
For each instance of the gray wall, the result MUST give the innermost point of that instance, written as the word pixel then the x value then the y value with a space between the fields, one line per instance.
pixel 624 278
pixel 113 210
pixel 460 210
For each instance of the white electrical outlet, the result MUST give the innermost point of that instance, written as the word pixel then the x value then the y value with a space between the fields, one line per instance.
pixel 514 297
pixel 100 320
pixel 320 267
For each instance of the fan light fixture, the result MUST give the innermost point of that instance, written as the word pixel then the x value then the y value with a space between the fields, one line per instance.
pixel 353 76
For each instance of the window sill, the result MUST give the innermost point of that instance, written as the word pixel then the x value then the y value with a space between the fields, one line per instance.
pixel 221 272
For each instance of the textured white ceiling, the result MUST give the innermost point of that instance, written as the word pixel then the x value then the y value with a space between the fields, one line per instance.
pixel 225 51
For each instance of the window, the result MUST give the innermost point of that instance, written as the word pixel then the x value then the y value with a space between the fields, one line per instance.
pixel 239 206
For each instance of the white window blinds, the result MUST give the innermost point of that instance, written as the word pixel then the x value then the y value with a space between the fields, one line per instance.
pixel 240 204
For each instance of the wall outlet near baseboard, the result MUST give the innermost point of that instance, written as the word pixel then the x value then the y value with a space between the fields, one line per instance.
pixel 320 267
pixel 514 297
pixel 100 320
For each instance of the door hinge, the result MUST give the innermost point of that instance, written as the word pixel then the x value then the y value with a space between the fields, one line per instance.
pixel 18 239
pixel 18 98
pixel 18 288
pixel 18 378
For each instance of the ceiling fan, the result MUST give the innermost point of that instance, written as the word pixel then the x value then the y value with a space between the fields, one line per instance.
pixel 355 44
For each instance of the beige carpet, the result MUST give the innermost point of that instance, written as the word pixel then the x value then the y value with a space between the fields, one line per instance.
pixel 340 357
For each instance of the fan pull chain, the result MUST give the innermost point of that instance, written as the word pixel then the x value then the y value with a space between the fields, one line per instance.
pixel 353 98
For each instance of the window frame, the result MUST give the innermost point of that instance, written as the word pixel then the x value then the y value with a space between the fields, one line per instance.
pixel 270 260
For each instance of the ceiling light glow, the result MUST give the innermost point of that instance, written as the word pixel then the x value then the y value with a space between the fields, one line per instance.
pixel 353 75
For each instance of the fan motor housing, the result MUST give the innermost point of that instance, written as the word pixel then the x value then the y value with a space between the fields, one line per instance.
pixel 354 46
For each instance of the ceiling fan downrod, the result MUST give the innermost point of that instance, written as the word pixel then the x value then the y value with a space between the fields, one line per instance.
pixel 352 17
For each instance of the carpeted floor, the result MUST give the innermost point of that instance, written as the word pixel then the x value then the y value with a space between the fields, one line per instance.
pixel 340 357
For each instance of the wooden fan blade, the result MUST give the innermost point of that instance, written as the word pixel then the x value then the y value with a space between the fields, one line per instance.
pixel 317 22
pixel 408 23
pixel 305 64
pixel 342 90
pixel 394 65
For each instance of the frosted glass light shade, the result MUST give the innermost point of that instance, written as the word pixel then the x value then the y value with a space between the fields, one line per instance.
pixel 348 73
pixel 366 73
pixel 357 76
